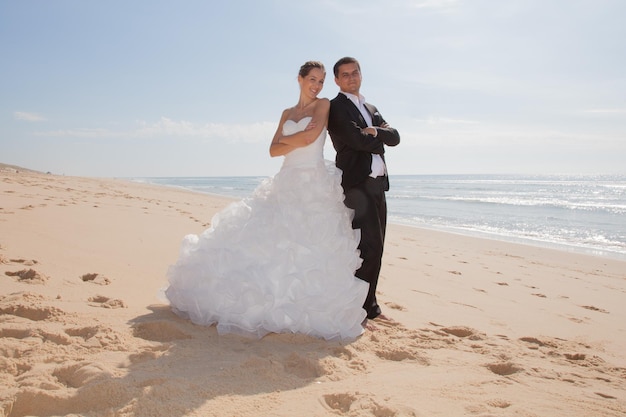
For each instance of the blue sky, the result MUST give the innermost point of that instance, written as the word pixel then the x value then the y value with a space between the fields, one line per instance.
pixel 195 88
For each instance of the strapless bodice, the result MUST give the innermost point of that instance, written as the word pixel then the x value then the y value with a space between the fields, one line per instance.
pixel 310 155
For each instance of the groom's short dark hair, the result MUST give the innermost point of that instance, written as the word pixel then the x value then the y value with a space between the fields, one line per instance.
pixel 345 60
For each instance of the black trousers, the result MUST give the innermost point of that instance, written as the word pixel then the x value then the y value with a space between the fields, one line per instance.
pixel 370 216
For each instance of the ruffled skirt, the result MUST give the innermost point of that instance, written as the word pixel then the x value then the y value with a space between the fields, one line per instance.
pixel 282 260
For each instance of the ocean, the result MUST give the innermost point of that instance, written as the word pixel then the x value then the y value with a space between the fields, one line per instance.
pixel 580 213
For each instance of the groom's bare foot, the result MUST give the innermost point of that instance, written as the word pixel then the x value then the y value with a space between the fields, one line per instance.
pixel 367 325
pixel 382 317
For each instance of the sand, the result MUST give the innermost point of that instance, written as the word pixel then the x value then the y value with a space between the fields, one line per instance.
pixel 475 327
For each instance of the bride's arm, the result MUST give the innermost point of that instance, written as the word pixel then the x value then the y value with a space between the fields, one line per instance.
pixel 313 129
pixel 276 148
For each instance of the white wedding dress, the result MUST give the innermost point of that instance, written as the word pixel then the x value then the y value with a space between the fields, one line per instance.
pixel 281 260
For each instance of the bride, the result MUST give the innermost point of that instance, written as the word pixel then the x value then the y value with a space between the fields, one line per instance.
pixel 283 259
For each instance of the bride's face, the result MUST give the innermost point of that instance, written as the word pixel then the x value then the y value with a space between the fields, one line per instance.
pixel 312 83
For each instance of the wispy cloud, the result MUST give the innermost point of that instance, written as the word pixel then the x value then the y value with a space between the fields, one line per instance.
pixel 436 120
pixel 363 8
pixel 452 133
pixel 436 5
pixel 606 111
pixel 253 132
pixel 89 133
pixel 28 117
pixel 166 127
pixel 352 8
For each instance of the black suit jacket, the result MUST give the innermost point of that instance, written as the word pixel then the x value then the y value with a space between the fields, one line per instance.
pixel 354 148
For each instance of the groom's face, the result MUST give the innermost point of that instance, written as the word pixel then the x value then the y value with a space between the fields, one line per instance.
pixel 349 78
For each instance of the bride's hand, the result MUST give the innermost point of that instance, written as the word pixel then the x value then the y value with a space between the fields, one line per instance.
pixel 310 126
pixel 369 131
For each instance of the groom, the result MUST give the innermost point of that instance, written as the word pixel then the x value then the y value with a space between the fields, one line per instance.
pixel 359 133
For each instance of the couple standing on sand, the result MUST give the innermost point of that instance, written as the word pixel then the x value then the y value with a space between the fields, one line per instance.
pixel 284 259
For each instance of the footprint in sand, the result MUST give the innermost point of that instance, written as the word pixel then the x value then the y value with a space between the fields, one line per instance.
pixel 105 302
pixel 149 354
pixel 85 333
pixel 339 402
pixel 503 369
pixel 95 279
pixel 592 308
pixel 554 346
pixel 15 333
pixel 158 331
pixel 567 357
pixel 20 333
pixel 352 359
pixel 14 366
pixel 303 367
pixel 53 337
pixel 609 397
pixel 395 306
pixel 386 344
pixel 397 354
pixel 575 356
pixel 499 403
pixel 79 374
pixel 29 312
pixel 536 343
pixel 28 275
pixel 576 320
pixel 27 262
pixel 344 403
pixel 89 389
pixel 463 332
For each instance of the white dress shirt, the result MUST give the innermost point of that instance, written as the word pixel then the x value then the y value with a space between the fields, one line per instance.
pixel 378 165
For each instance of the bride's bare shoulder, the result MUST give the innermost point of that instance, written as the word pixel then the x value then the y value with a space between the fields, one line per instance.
pixel 322 103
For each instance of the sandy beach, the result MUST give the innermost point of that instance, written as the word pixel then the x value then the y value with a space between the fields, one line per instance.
pixel 476 327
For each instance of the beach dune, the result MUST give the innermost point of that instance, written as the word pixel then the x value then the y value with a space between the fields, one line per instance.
pixel 475 327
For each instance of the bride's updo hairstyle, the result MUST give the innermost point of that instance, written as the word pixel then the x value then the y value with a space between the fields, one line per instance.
pixel 308 66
